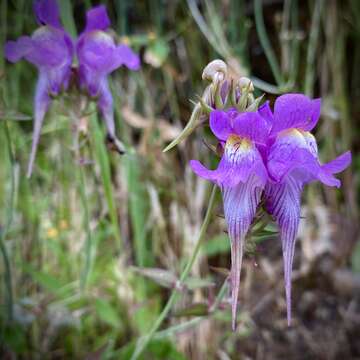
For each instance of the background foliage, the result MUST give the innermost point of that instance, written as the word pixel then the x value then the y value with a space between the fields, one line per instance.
pixel 76 238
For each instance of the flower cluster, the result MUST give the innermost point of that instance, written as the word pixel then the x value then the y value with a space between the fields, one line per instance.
pixel 267 155
pixel 51 50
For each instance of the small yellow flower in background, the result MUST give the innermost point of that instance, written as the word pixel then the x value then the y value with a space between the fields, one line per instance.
pixel 52 233
pixel 63 225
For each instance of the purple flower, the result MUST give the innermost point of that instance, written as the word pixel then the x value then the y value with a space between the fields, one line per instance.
pixel 241 175
pixel 273 154
pixel 98 56
pixel 292 162
pixel 50 49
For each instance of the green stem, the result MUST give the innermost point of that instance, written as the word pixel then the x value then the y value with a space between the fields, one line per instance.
pixel 141 346
pixel 3 233
pixel 295 47
pixel 86 220
pixel 67 17
pixel 265 42
pixel 313 41
pixel 104 163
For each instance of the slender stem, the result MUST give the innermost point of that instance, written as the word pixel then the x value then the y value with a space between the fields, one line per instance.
pixel 86 214
pixel 143 342
pixel 104 163
pixel 191 323
pixel 219 47
pixel 265 42
pixel 295 47
pixel 67 17
pixel 313 41
pixel 86 220
pixel 3 233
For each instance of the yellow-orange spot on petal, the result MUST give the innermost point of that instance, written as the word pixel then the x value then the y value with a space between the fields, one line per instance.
pixel 237 147
pixel 291 132
pixel 240 143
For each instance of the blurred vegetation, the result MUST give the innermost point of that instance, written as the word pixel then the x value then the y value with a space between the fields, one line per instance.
pixel 92 245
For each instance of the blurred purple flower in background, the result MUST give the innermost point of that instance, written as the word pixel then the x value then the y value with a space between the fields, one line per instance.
pixel 269 154
pixel 98 56
pixel 51 50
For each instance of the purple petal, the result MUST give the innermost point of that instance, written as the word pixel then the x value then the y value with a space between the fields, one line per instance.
pixel 252 126
pixel 41 105
pixel 97 51
pixel 339 164
pixel 240 159
pixel 221 124
pixel 266 113
pixel 47 13
pixel 283 202
pixel 50 48
pixel 15 50
pixel 240 204
pixel 291 154
pixel 97 19
pixel 295 111
pixel 125 56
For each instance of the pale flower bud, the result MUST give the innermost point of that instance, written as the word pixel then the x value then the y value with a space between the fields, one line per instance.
pixel 246 83
pixel 215 71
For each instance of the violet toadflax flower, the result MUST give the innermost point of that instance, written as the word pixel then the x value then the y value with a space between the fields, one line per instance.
pixel 50 49
pixel 271 155
pixel 241 175
pixel 292 162
pixel 99 56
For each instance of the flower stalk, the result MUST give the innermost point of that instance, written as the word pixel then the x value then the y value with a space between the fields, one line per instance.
pixel 144 341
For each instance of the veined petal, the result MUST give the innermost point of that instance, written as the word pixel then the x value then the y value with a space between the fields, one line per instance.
pixel 97 51
pixel 283 202
pixel 49 48
pixel 240 159
pixel 252 126
pixel 295 111
pixel 339 164
pixel 97 19
pixel 221 124
pixel 41 105
pixel 47 13
pixel 294 154
pixel 240 204
pixel 265 111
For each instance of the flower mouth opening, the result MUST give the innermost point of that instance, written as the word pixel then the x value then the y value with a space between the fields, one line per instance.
pixel 236 145
pixel 238 142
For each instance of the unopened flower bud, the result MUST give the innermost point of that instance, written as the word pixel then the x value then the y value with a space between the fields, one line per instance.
pixel 215 71
pixel 246 83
